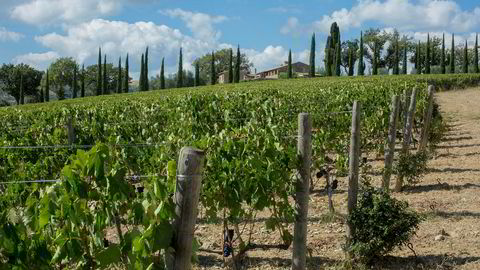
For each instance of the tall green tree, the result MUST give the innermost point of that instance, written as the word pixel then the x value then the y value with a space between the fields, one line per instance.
pixel 141 86
pixel 10 80
pixel 22 94
pixel 42 96
pixel 61 75
pixel 331 60
pixel 475 59
pixel 146 83
pixel 119 79
pixel 452 56
pixel 238 63
pixel 99 74
pixel 213 74
pixel 162 74
pixel 127 76
pixel 442 58
pixel 105 88
pixel 328 57
pixel 375 60
pixel 405 61
pixel 290 71
pixel 47 88
pixel 197 74
pixel 396 67
pixel 465 58
pixel 74 85
pixel 312 56
pixel 427 59
pixel 180 70
pixel 350 62
pixel 230 67
pixel 82 87
pixel 361 65
pixel 338 58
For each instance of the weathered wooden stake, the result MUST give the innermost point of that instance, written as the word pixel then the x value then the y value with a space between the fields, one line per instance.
pixel 427 119
pixel 407 135
pixel 304 150
pixel 189 182
pixel 392 135
pixel 70 131
pixel 406 103
pixel 354 156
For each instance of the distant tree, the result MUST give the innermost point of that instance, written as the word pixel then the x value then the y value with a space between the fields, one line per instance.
pixel 375 60
pixel 239 64
pixel 348 50
pixel 180 70
pixel 290 71
pixel 111 78
pixel 396 67
pixel 361 65
pixel 452 56
pixel 22 94
pixel 230 67
pixel 213 75
pixel 350 63
pixel 10 80
pixel 475 59
pixel 105 87
pixel 197 74
pixel 119 81
pixel 141 86
pixel 338 58
pixel 374 41
pixel 405 61
pixel 42 97
pixel 442 59
pixel 74 84
pixel 61 73
pixel 419 58
pixel 312 56
pixel 145 75
pixel 47 88
pixel 127 77
pixel 99 75
pixel 328 57
pixel 465 58
pixel 162 74
pixel 82 88
pixel 427 59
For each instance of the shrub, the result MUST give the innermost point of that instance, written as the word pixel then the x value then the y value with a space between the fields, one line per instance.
pixel 382 223
pixel 412 166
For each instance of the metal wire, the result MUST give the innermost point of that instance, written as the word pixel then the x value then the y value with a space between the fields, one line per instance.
pixel 59 180
pixel 60 146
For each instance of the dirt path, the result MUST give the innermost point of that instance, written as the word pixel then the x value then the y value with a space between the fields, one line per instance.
pixel 449 195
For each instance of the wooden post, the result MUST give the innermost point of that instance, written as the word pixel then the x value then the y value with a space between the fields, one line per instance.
pixel 427 119
pixel 70 131
pixel 354 156
pixel 406 103
pixel 189 182
pixel 392 135
pixel 407 135
pixel 304 151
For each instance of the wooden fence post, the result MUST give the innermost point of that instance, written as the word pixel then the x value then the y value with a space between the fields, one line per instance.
pixel 353 160
pixel 189 182
pixel 407 135
pixel 70 131
pixel 427 119
pixel 304 151
pixel 406 103
pixel 392 135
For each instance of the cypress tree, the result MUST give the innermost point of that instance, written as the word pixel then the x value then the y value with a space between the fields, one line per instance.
pixel 374 61
pixel 442 58
pixel 197 74
pixel 360 71
pixel 22 94
pixel 180 70
pixel 237 66
pixel 416 58
pixel 328 57
pixel 312 57
pixel 127 76
pixel 396 67
pixel 119 81
pixel 162 74
pixel 82 88
pixel 213 76
pixel 475 64
pixel 230 67
pixel 465 58
pixel 420 57
pixel 105 82
pixel 452 55
pixel 99 73
pixel 404 59
pixel 146 84
pixel 350 62
pixel 74 86
pixel 140 81
pixel 427 59
pixel 47 89
pixel 289 70
pixel 338 57
pixel 42 97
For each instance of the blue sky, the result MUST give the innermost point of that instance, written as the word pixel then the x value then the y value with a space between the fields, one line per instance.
pixel 37 32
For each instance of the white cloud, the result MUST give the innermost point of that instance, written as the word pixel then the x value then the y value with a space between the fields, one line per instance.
pixel 291 26
pixel 200 24
pixel 429 15
pixel 282 9
pixel 6 35
pixel 38 60
pixel 39 12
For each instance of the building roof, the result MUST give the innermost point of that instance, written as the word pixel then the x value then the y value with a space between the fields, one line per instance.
pixel 268 70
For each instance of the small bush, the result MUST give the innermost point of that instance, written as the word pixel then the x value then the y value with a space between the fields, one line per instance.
pixel 412 166
pixel 382 223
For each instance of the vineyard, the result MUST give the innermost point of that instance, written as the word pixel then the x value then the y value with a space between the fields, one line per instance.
pixel 112 163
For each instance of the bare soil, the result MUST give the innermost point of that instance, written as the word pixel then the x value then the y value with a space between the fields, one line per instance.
pixel 448 195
